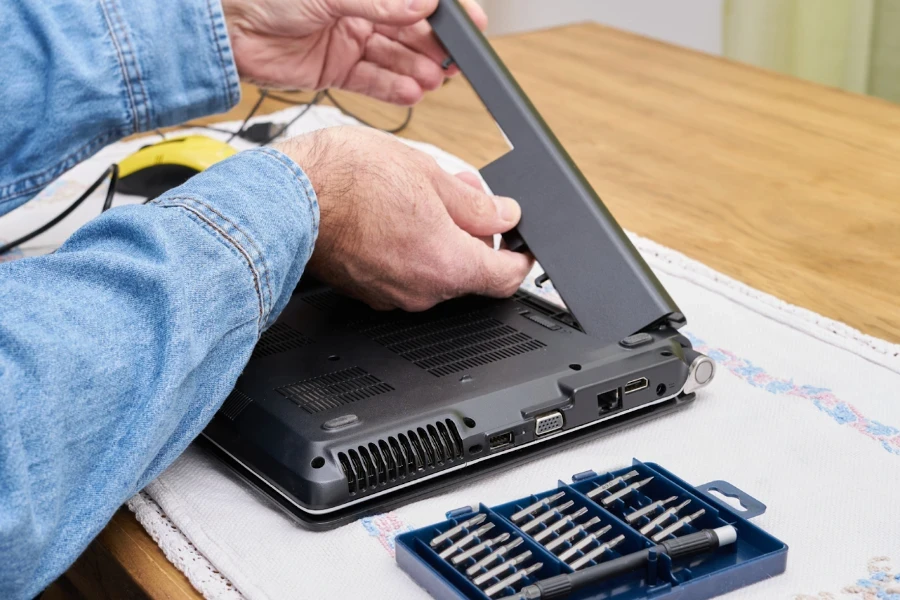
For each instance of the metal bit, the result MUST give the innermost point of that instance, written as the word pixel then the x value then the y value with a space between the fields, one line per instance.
pixel 625 490
pixel 476 520
pixel 662 518
pixel 502 568
pixel 564 537
pixel 465 541
pixel 514 578
pixel 492 557
pixel 558 525
pixel 584 542
pixel 531 508
pixel 612 483
pixel 677 525
pixel 551 511
pixel 577 564
pixel 634 516
pixel 474 550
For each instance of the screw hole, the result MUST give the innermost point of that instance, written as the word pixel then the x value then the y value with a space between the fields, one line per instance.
pixel 470 423
pixel 334 357
pixel 575 367
pixel 666 353
pixel 475 449
pixel 318 462
pixel 661 389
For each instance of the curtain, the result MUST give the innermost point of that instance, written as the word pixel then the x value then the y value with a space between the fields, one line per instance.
pixel 850 44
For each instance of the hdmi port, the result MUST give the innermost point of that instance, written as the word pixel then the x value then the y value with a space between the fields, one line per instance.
pixel 636 384
pixel 501 440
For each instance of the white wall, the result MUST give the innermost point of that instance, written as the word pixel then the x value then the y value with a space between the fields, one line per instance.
pixel 693 23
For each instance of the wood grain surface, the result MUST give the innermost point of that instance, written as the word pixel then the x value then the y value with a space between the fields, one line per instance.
pixel 790 187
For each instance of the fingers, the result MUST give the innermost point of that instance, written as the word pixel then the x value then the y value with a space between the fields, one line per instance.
pixel 399 59
pixel 420 38
pixel 474 211
pixel 388 12
pixel 417 37
pixel 495 273
pixel 470 179
pixel 377 82
pixel 476 13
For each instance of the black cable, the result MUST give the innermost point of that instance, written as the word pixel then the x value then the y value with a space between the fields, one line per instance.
pixel 316 99
pixel 111 190
pixel 397 129
pixel 262 96
pixel 112 172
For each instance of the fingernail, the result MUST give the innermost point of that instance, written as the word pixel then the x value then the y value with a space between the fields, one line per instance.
pixel 507 208
pixel 416 5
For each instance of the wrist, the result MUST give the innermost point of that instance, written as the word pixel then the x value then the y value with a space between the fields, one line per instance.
pixel 331 174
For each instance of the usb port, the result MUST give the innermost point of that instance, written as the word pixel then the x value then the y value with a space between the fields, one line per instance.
pixel 501 440
pixel 609 401
pixel 636 385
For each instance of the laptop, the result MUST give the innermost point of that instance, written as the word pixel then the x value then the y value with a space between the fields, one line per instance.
pixel 344 411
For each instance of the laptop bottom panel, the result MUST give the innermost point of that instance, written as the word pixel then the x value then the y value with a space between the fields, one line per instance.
pixel 343 411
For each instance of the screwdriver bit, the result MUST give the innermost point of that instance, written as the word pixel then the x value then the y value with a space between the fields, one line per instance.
pixel 476 520
pixel 577 564
pixel 612 483
pixel 663 517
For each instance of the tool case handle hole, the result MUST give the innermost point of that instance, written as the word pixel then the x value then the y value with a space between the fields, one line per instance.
pixel 732 499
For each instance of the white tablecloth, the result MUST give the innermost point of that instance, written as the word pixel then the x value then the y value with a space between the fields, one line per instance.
pixel 804 414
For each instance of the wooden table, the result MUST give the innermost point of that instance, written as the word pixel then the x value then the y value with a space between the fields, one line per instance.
pixel 787 186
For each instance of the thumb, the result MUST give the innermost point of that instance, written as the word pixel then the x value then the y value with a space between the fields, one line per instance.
pixel 474 211
pixel 489 272
pixel 384 12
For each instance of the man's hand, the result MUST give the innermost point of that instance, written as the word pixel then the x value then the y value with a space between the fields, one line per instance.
pixel 396 230
pixel 381 48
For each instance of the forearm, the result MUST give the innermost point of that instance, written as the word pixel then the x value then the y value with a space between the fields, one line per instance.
pixel 116 350
pixel 77 75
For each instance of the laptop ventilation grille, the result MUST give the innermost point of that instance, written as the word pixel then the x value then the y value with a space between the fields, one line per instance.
pixel 334 389
pixel 324 300
pixel 452 344
pixel 401 456
pixel 277 339
pixel 235 404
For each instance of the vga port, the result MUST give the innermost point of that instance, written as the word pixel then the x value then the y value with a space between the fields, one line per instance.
pixel 548 423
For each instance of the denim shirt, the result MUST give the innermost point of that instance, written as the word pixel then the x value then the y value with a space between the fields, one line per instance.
pixel 116 350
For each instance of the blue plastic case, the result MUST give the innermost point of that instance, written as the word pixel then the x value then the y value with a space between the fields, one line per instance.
pixel 755 556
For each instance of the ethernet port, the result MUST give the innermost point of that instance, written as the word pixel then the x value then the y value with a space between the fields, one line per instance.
pixel 609 401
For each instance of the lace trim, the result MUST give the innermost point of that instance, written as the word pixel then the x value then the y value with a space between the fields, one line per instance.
pixel 180 551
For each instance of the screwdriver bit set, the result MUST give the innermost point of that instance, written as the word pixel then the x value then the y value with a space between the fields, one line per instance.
pixel 483 552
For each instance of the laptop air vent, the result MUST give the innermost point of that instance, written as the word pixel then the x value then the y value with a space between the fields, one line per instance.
pixel 277 339
pixel 448 345
pixel 235 404
pixel 325 300
pixel 405 455
pixel 333 389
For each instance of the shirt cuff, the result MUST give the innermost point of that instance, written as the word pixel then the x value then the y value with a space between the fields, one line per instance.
pixel 177 65
pixel 261 204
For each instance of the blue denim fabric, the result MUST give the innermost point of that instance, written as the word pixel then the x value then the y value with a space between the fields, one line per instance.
pixel 76 75
pixel 116 350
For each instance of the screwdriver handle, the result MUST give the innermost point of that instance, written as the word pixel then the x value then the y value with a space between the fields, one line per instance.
pixel 691 544
pixel 561 586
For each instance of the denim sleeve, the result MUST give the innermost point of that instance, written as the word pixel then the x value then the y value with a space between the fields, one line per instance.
pixel 76 75
pixel 116 350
